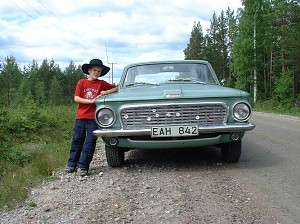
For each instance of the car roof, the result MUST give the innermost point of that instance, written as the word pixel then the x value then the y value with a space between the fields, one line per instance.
pixel 168 62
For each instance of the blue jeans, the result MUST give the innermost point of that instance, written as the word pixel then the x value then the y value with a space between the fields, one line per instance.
pixel 83 144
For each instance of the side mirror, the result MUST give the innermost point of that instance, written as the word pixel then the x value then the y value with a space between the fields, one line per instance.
pixel 223 82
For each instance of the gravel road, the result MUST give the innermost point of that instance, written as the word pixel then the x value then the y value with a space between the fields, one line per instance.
pixel 154 186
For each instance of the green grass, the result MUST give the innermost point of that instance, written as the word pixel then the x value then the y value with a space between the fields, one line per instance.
pixel 27 161
pixel 276 108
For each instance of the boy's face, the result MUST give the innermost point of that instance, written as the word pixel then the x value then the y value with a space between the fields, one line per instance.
pixel 94 72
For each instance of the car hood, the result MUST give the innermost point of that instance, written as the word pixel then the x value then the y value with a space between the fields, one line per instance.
pixel 173 91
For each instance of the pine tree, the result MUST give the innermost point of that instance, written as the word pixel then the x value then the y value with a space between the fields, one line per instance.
pixel 216 50
pixel 10 78
pixel 231 34
pixel 55 93
pixel 195 48
pixel 72 75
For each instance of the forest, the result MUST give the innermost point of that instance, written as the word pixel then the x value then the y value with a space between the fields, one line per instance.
pixel 45 84
pixel 256 49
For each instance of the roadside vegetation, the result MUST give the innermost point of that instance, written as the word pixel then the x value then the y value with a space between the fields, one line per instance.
pixel 36 124
pixel 255 49
pixel 33 143
pixel 275 108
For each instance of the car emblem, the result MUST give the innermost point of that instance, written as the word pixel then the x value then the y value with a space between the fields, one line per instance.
pixel 173 96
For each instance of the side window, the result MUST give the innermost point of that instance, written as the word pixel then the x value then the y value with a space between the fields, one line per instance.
pixel 130 77
pixel 210 78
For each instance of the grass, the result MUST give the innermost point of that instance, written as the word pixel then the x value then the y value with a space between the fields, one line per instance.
pixel 17 180
pixel 34 160
pixel 276 108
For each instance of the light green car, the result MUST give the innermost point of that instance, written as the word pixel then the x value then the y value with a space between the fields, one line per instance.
pixel 172 104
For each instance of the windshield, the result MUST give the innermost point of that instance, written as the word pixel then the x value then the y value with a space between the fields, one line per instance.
pixel 156 74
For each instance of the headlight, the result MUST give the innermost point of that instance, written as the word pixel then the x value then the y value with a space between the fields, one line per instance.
pixel 105 117
pixel 241 111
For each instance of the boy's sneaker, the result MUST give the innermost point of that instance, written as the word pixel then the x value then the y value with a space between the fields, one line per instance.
pixel 70 169
pixel 82 172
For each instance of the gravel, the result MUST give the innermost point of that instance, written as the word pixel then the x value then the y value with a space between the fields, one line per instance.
pixel 159 186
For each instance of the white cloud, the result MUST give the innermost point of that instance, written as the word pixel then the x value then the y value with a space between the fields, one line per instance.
pixel 130 30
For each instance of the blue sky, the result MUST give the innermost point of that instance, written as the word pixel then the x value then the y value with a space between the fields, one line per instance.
pixel 114 31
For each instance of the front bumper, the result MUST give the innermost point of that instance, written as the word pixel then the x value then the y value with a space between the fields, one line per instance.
pixel 236 127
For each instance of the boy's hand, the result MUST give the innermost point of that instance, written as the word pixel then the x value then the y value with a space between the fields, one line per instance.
pixel 102 93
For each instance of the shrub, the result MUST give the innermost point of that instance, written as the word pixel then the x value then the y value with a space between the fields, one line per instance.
pixel 35 141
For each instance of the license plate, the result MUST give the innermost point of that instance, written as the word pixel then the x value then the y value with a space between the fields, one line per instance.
pixel 174 131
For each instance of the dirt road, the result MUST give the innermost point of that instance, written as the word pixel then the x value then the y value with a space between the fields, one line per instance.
pixel 179 186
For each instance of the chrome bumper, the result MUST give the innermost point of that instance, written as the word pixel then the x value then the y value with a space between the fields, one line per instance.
pixel 237 127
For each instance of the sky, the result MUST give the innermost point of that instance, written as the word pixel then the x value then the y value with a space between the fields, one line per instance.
pixel 118 32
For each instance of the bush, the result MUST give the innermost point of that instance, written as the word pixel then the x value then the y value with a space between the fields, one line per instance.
pixel 35 141
pixel 283 89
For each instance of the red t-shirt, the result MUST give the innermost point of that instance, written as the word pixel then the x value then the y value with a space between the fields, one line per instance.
pixel 89 89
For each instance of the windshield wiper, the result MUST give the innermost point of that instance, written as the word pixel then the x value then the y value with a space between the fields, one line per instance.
pixel 142 83
pixel 187 80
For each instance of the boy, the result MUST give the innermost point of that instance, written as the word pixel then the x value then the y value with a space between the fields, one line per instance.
pixel 86 92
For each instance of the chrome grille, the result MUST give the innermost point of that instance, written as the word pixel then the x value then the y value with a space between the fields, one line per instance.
pixel 162 115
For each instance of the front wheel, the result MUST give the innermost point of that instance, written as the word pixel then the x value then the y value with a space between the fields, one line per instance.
pixel 114 156
pixel 231 151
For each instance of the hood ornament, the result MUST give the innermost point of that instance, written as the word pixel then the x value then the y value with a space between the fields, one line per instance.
pixel 173 93
pixel 173 96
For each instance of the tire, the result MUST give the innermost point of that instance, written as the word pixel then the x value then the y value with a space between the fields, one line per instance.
pixel 114 156
pixel 231 152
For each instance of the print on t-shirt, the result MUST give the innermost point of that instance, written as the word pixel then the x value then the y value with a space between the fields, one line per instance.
pixel 89 93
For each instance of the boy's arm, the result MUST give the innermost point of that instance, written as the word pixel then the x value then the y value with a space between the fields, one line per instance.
pixel 78 99
pixel 108 91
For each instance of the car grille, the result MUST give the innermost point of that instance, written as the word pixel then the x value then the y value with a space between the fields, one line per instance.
pixel 164 115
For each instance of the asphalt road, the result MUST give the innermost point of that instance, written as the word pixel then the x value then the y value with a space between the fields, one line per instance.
pixel 270 161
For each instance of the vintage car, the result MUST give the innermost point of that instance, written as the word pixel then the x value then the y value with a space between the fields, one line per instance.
pixel 172 104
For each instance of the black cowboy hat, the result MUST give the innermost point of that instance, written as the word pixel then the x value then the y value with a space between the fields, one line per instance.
pixel 95 62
